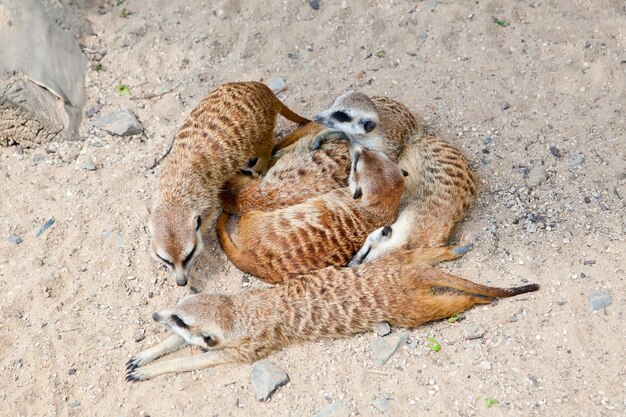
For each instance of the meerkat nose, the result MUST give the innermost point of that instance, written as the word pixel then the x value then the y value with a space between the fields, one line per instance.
pixel 318 118
pixel 155 316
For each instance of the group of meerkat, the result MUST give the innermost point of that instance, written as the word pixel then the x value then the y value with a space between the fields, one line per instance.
pixel 347 215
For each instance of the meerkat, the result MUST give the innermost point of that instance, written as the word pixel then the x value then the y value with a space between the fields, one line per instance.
pixel 321 231
pixel 299 174
pixel 402 289
pixel 378 123
pixel 231 126
pixel 439 191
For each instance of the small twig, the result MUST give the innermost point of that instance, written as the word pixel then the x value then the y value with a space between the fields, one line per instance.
pixel 377 372
pixel 158 161
pixel 151 96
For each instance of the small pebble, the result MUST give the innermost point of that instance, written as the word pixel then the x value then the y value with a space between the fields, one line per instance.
pixel 381 404
pixel 315 4
pixel 277 85
pixel 576 160
pixel 15 239
pixel 555 151
pixel 72 371
pixel 359 75
pixel 423 36
pixel 487 140
pixel 536 176
pixel 474 332
pixel 384 347
pixel 382 328
pixel 292 55
pixel 45 226
pixel 120 123
pixel 266 379
pixel 89 166
pixel 485 365
pixel 589 262
pixel 599 300
pixel 505 106
pixel 334 409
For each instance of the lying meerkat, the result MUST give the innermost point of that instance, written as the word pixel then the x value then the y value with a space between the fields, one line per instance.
pixel 439 191
pixel 234 124
pixel 378 123
pixel 299 174
pixel 321 231
pixel 400 289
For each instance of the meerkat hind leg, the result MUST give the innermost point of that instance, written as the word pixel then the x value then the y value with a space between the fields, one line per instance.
pixel 186 364
pixel 433 256
pixel 171 344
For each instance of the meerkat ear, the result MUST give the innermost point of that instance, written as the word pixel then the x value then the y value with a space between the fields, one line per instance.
pixel 386 232
pixel 369 125
pixel 405 173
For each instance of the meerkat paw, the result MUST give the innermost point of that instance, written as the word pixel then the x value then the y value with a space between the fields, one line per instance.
pixel 462 250
pixel 136 374
pixel 328 135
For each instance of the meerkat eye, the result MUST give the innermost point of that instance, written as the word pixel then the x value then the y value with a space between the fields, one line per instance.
pixel 198 222
pixel 369 125
pixel 189 256
pixel 209 340
pixel 357 193
pixel 341 117
pixel 179 322
pixel 386 232
pixel 165 261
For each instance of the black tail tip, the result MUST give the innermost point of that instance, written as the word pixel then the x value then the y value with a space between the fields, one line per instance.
pixel 524 289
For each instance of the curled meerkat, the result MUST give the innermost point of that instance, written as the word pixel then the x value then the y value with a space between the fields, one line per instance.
pixel 321 231
pixel 378 123
pixel 439 191
pixel 401 289
pixel 299 174
pixel 231 126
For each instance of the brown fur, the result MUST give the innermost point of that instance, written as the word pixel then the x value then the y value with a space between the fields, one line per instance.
pixel 298 173
pixel 232 125
pixel 321 231
pixel 329 303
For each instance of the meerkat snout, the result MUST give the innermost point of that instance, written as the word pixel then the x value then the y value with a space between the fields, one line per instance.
pixel 353 113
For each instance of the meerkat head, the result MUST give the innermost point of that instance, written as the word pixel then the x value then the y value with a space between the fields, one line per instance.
pixel 377 243
pixel 374 178
pixel 200 319
pixel 353 113
pixel 176 239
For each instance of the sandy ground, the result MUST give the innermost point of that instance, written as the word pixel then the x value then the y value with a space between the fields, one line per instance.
pixel 76 301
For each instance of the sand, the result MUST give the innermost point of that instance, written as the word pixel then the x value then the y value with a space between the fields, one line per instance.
pixel 549 92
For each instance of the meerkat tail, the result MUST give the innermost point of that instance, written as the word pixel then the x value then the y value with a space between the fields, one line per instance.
pixel 437 278
pixel 289 114
pixel 237 257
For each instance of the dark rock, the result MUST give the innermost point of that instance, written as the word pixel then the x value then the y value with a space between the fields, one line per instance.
pixel 505 106
pixel 487 140
pixel 292 55
pixel 589 262
pixel 266 379
pixel 72 371
pixel 587 200
pixel 315 4
pixel 555 151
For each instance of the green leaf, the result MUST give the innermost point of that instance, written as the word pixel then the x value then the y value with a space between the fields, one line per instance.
pixel 380 54
pixel 500 22
pixel 434 344
pixel 125 13
pixel 490 402
pixel 454 318
pixel 123 89
pixel 96 66
pixel 119 2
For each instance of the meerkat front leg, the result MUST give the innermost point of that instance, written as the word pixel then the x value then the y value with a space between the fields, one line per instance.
pixel 186 364
pixel 169 345
pixel 433 256
pixel 328 135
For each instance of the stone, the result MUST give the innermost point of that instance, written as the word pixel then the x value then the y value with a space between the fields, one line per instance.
pixel 89 166
pixel 120 123
pixel 485 365
pixel 381 404
pixel 423 36
pixel 382 328
pixel 576 160
pixel 15 239
pixel 556 152
pixel 72 371
pixel 334 409
pixel 474 332
pixel 487 140
pixel 536 176
pixel 315 4
pixel 266 379
pixel 384 347
pixel 277 85
pixel 599 300
pixel 45 226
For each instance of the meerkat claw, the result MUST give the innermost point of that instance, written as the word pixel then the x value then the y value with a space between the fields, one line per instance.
pixel 132 364
pixel 462 250
pixel 134 376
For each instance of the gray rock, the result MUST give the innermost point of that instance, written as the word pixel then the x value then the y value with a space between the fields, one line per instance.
pixel 536 176
pixel 384 347
pixel 72 371
pixel 277 85
pixel 121 123
pixel 93 110
pixel 474 332
pixel 431 5
pixel 381 404
pixel 556 152
pixel 382 328
pixel 89 166
pixel 334 409
pixel 267 378
pixel 599 300
pixel 423 36
pixel 15 239
pixel 315 4
pixel 576 160
pixel 45 226
pixel 487 140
